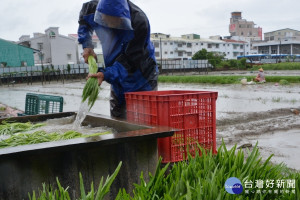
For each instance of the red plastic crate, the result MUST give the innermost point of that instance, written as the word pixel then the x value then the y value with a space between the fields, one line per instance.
pixel 193 113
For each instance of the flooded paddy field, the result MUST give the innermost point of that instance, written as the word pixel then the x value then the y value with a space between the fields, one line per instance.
pixel 266 113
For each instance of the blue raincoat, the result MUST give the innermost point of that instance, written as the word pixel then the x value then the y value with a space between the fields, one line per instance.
pixel 124 32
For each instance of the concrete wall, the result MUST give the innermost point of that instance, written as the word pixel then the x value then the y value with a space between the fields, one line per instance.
pixel 61 47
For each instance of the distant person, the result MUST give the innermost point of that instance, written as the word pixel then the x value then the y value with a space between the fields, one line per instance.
pixel 260 76
pixel 124 32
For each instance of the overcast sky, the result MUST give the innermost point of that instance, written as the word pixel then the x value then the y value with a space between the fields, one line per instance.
pixel 174 17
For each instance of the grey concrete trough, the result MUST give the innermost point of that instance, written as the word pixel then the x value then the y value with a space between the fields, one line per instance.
pixel 24 168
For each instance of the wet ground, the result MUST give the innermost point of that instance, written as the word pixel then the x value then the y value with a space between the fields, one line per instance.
pixel 245 113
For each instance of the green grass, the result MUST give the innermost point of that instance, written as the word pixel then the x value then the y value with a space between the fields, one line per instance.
pixel 223 79
pixel 278 66
pixel 283 82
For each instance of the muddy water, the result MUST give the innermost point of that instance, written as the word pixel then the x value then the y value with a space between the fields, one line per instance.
pixel 246 98
pixel 252 103
pixel 283 144
pixel 231 98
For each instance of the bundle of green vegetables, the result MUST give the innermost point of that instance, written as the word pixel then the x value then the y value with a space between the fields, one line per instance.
pixel 42 136
pixel 91 88
pixel 9 128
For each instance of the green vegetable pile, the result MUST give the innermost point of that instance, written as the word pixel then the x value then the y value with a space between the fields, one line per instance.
pixel 91 88
pixel 42 136
pixel 7 128
pixel 37 137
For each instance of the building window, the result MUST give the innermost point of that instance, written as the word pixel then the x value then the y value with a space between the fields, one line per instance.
pixel 189 45
pixel 156 54
pixel 209 45
pixel 189 53
pixel 217 46
pixel 171 43
pixel 69 56
pixel 171 52
pixel 180 53
pixel 242 33
pixel 52 34
pixel 272 38
pixel 223 45
pixel 241 46
pixel 228 53
pixel 166 52
pixel 196 43
pixel 228 45
pixel 165 43
pixel 202 44
pixel 179 45
pixel 156 44
pixel 40 46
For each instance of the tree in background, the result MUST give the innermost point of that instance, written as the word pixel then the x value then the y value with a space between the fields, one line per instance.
pixel 213 58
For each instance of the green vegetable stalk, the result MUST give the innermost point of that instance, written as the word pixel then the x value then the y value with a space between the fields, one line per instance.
pixel 91 88
pixel 9 128
pixel 42 136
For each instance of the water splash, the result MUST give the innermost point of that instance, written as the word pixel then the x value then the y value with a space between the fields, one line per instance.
pixel 81 114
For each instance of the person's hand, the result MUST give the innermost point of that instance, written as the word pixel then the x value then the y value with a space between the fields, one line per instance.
pixel 99 76
pixel 87 52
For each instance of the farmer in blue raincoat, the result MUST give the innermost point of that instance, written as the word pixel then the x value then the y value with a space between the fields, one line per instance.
pixel 124 32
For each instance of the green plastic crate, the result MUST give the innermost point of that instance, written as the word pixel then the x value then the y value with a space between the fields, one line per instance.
pixel 43 104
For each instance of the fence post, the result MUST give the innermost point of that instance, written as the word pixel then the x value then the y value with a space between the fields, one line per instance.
pixel 63 74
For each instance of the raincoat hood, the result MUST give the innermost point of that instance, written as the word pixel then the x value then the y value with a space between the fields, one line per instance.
pixel 113 14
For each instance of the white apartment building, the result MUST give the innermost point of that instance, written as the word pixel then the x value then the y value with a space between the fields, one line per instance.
pixel 186 46
pixel 53 48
